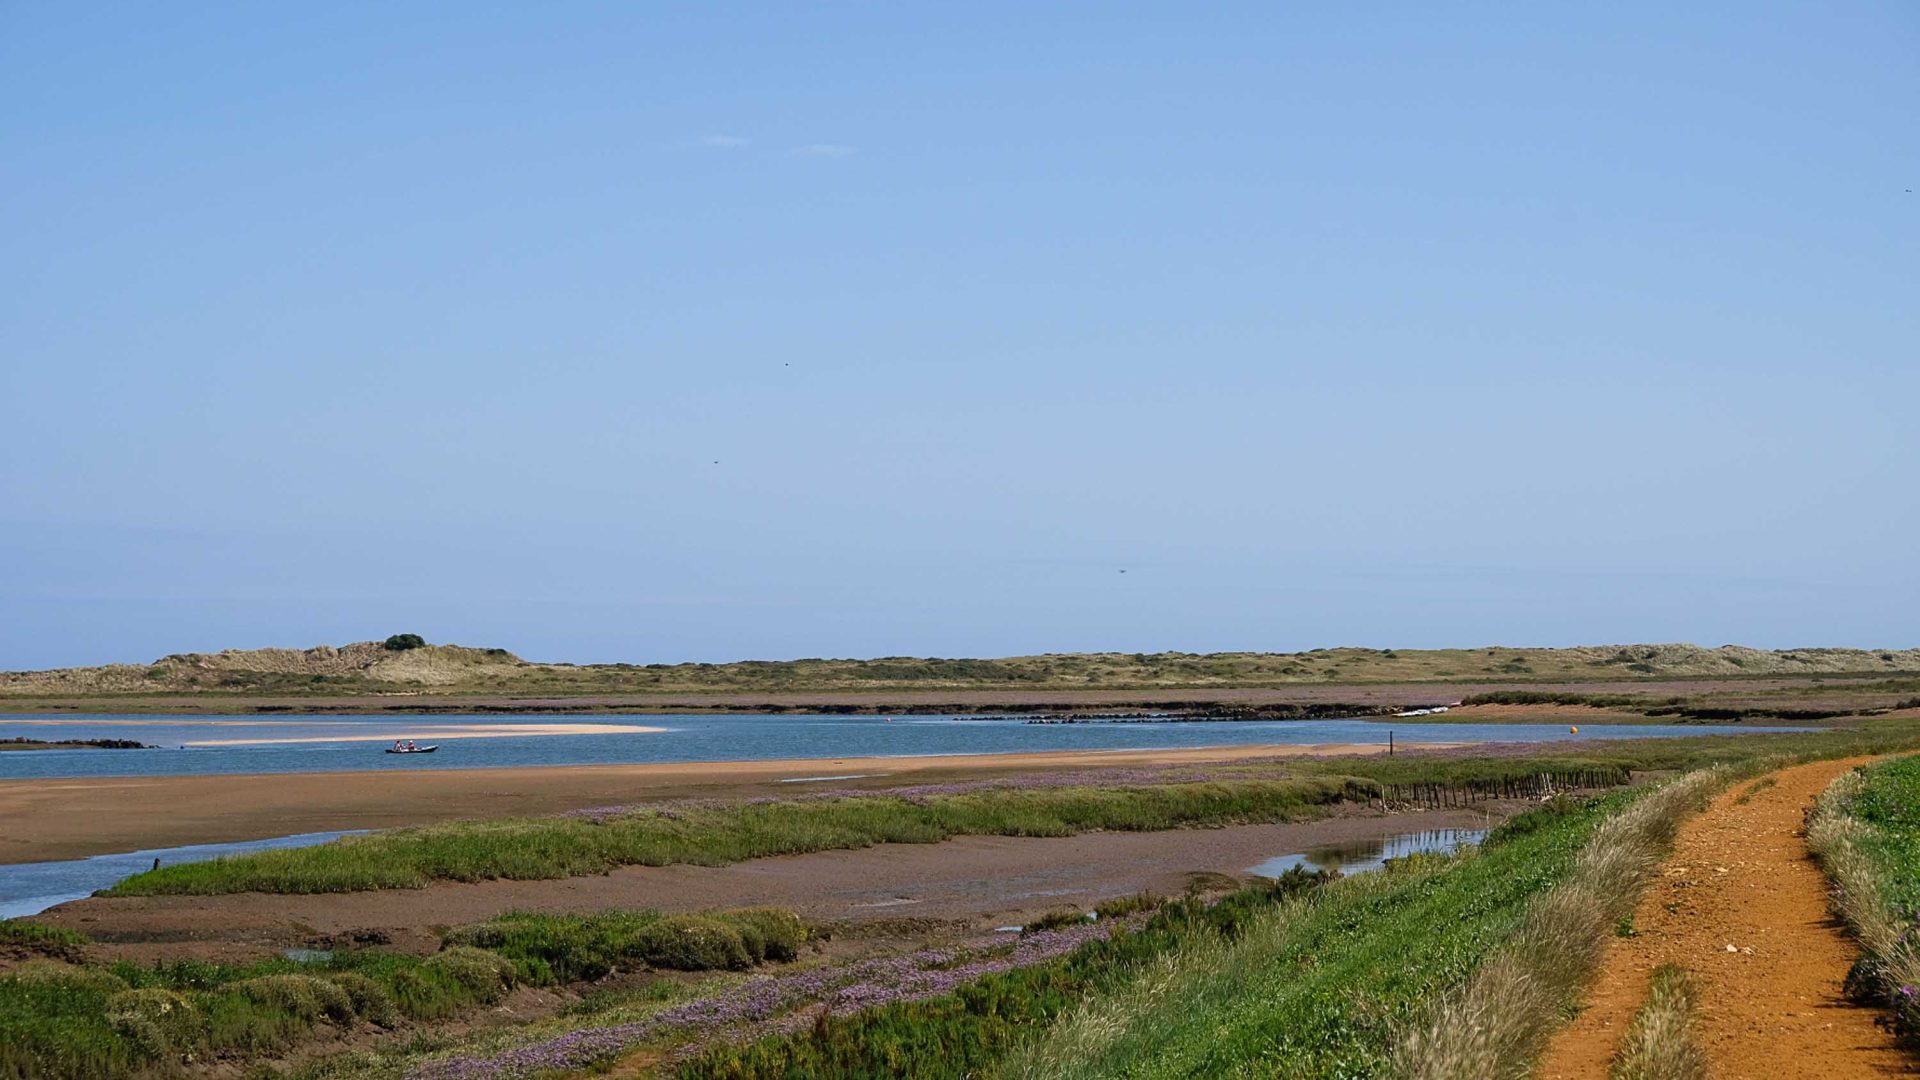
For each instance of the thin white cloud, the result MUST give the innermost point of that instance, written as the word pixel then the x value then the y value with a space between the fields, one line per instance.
pixel 825 150
pixel 723 142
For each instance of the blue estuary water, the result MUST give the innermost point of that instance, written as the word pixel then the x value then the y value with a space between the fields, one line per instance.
pixel 198 745
pixel 30 888
pixel 206 745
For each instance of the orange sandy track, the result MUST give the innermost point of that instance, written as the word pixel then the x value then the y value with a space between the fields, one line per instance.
pixel 1740 875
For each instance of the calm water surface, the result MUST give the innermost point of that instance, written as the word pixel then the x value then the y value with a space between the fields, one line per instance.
pixel 30 888
pixel 1365 855
pixel 686 738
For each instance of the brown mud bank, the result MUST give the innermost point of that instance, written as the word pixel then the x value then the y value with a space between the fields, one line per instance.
pixel 48 819
pixel 973 883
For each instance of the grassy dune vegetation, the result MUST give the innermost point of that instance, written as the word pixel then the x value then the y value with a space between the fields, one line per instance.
pixel 376 667
pixel 68 1019
pixel 1865 830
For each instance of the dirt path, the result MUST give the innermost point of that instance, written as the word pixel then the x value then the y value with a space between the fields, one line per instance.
pixel 1740 876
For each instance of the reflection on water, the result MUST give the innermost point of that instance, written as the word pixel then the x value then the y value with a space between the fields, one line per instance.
pixel 1362 855
pixel 31 888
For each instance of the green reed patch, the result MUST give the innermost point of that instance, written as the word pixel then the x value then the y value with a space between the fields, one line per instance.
pixel 567 846
pixel 18 937
pixel 573 948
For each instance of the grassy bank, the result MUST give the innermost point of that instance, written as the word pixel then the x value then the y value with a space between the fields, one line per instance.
pixel 1495 1026
pixel 957 1035
pixel 1865 830
pixel 1324 990
pixel 1295 982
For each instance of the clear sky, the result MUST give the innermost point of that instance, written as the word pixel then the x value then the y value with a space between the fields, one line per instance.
pixel 655 331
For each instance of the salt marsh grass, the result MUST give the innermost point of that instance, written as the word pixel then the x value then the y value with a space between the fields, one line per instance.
pixel 570 845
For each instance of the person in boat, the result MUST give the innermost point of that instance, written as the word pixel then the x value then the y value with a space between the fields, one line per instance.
pixel 398 745
pixel 411 746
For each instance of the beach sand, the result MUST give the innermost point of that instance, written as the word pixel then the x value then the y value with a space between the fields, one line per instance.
pixel 43 819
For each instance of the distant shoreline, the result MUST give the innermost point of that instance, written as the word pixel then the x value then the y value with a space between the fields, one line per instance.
pixel 1357 698
pixel 23 744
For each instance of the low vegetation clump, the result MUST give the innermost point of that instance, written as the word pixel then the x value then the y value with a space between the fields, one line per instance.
pixel 1660 1043
pixel 1865 830
pixel 20 938
pixel 548 949
pixel 67 1021
pixel 72 1022
pixel 569 845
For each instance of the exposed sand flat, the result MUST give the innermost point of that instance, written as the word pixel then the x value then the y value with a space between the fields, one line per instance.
pixel 443 731
pixel 72 818
pixel 476 731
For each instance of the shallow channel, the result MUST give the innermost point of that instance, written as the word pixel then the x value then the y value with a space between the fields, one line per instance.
pixel 1360 856
pixel 31 888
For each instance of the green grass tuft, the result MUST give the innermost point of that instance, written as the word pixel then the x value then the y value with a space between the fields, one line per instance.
pixel 1660 1043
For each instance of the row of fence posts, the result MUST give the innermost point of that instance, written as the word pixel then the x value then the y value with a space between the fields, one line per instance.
pixel 1536 786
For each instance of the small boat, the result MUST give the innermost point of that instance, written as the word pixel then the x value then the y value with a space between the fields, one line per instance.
pixel 413 749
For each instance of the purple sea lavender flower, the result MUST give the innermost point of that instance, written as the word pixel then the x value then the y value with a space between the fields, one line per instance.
pixel 778 1002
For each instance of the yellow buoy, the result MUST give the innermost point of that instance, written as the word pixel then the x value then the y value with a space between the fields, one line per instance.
pixel 1573 731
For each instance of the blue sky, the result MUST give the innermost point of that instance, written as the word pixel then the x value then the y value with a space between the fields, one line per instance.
pixel 657 332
